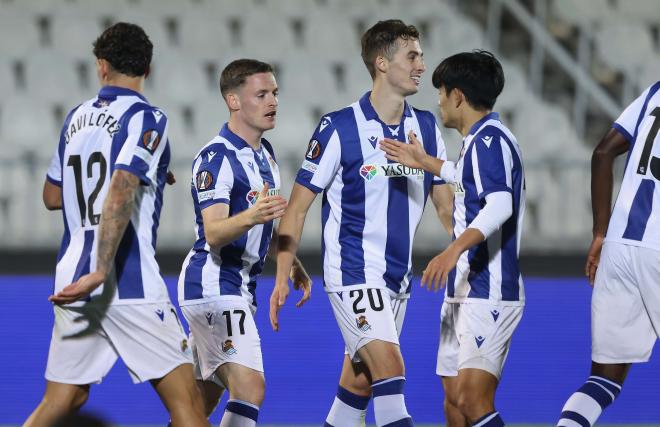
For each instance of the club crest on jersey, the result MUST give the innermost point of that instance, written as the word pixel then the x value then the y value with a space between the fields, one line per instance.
pixel 313 149
pixel 203 180
pixel 151 140
pixel 362 324
pixel 184 345
pixel 228 348
pixel 390 170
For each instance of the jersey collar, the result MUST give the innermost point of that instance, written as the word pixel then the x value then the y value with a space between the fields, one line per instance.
pixel 236 140
pixel 370 113
pixel 115 91
pixel 490 116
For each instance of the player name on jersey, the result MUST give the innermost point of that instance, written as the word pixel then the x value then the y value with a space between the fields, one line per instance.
pixel 92 118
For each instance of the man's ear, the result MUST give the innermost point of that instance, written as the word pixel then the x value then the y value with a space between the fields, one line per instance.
pixel 381 64
pixel 233 101
pixel 458 97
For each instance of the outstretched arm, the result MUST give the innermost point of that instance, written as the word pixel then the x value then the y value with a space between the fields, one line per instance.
pixel 290 230
pixel 610 147
pixel 115 216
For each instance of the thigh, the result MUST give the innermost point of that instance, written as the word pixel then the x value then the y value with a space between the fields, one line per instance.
pixel 364 315
pixel 149 338
pixel 447 362
pixel 224 331
pixel 621 329
pixel 80 352
pixel 484 334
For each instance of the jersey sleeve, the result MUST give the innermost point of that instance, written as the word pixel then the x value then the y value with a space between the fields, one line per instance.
pixel 628 121
pixel 141 144
pixel 492 164
pixel 213 178
pixel 441 153
pixel 54 173
pixel 322 158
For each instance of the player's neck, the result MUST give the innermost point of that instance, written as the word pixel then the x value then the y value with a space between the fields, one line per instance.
pixel 133 83
pixel 249 134
pixel 388 105
pixel 470 117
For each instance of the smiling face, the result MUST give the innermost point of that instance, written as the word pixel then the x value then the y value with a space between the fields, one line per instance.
pixel 404 69
pixel 257 100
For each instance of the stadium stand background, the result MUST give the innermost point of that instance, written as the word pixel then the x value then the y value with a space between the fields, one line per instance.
pixel 570 65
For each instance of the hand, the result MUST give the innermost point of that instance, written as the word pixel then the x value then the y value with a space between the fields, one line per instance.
pixel 301 280
pixel 266 208
pixel 78 290
pixel 277 299
pixel 411 154
pixel 593 258
pixel 170 178
pixel 439 267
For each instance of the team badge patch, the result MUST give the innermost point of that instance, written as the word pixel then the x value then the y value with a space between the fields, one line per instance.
pixel 150 140
pixel 362 323
pixel 313 150
pixel 228 348
pixel 184 345
pixel 204 180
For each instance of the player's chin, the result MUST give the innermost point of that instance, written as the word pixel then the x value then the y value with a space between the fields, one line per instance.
pixel 411 89
pixel 268 123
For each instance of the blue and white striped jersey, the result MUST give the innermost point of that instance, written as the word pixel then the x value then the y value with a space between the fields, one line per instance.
pixel 227 170
pixel 635 219
pixel 371 207
pixel 118 129
pixel 490 162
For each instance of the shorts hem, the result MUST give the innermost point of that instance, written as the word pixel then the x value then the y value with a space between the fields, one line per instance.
pixel 138 379
pixel 72 381
pixel 481 364
pixel 445 373
pixel 209 377
pixel 366 340
pixel 604 360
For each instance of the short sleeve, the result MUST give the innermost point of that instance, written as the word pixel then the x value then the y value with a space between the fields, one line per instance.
pixel 492 164
pixel 441 153
pixel 322 157
pixel 54 174
pixel 628 121
pixel 213 177
pixel 141 144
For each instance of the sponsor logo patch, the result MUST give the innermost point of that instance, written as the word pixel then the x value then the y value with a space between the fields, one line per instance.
pixel 390 170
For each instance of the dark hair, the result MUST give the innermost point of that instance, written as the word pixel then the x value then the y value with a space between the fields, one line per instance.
pixel 235 74
pixel 381 39
pixel 478 74
pixel 126 47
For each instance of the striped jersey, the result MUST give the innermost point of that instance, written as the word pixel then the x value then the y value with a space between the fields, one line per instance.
pixel 371 206
pixel 118 129
pixel 228 170
pixel 635 219
pixel 490 162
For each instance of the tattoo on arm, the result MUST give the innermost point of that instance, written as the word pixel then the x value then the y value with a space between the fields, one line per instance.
pixel 116 214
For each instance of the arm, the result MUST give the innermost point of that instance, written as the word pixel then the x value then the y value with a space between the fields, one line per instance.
pixel 116 214
pixel 297 274
pixel 290 230
pixel 412 154
pixel 220 229
pixel 443 200
pixel 610 147
pixel 498 209
pixel 52 196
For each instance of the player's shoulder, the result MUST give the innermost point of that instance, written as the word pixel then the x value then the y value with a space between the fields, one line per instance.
pixel 423 115
pixel 217 145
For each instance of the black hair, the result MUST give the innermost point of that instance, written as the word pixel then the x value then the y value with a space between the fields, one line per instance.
pixel 235 74
pixel 381 40
pixel 126 47
pixel 478 74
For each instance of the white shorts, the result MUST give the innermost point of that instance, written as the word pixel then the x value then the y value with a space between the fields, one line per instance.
pixel 625 304
pixel 223 331
pixel 475 335
pixel 367 314
pixel 87 340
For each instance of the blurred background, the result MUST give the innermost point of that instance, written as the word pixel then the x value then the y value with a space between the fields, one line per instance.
pixel 571 66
